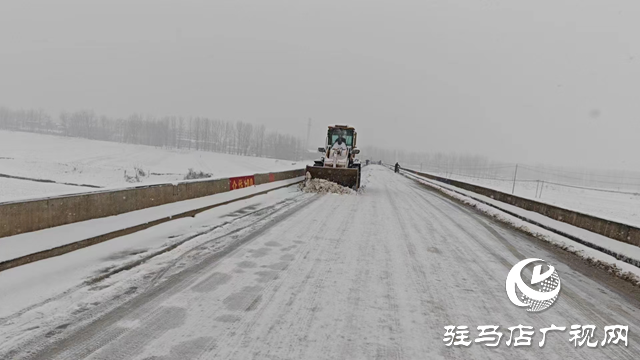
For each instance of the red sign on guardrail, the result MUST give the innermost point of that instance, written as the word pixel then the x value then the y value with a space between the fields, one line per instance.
pixel 272 177
pixel 241 182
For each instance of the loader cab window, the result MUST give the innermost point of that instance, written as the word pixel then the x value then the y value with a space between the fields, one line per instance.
pixel 347 134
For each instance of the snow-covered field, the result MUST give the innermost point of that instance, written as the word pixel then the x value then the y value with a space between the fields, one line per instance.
pixel 624 208
pixel 103 164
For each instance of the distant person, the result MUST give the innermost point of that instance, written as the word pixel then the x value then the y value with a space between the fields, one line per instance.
pixel 397 170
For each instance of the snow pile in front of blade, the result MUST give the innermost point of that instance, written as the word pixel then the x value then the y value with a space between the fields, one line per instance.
pixel 322 186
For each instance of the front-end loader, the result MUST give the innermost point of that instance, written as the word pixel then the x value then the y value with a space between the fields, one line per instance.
pixel 338 163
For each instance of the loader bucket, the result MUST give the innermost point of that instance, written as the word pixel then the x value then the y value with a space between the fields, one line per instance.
pixel 348 177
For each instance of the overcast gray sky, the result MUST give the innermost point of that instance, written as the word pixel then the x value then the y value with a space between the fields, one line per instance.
pixel 555 81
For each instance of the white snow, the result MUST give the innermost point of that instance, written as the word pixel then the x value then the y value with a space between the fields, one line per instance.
pixel 102 163
pixel 12 189
pixel 321 186
pixel 336 277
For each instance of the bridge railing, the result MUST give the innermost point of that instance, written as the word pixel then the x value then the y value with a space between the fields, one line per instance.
pixel 19 217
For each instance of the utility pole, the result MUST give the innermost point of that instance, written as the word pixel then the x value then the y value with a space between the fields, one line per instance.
pixel 541 188
pixel 308 132
pixel 515 175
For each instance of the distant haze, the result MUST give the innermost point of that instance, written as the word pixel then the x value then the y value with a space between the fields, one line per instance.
pixel 552 81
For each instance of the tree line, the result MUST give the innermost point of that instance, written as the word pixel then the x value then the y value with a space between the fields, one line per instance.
pixel 198 133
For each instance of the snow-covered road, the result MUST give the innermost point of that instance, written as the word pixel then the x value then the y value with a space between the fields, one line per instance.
pixel 376 275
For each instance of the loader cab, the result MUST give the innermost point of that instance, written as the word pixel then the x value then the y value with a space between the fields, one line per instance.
pixel 348 133
pixel 350 136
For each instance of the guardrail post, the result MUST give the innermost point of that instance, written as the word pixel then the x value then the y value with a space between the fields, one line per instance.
pixel 513 189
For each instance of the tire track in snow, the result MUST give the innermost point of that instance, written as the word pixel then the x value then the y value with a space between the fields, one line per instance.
pixel 378 276
pixel 304 304
pixel 93 337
